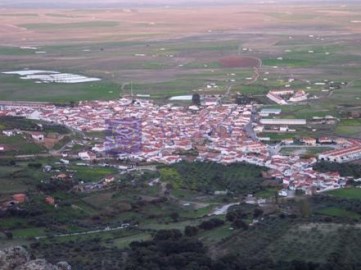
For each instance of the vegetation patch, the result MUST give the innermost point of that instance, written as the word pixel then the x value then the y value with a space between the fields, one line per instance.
pixel 347 193
pixel 345 169
pixel 209 177
pixel 338 212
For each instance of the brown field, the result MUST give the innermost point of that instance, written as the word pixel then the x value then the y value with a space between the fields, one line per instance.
pixel 167 51
pixel 234 61
pixel 136 24
pixel 159 23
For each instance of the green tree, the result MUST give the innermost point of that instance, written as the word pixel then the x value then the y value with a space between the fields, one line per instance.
pixel 170 176
pixel 305 208
pixel 257 212
pixel 190 231
pixel 8 234
pixel 174 216
pixel 239 224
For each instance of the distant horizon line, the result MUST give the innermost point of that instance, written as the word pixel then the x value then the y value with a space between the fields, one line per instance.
pixel 92 4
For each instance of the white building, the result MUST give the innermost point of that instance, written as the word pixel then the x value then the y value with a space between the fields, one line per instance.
pixel 268 112
pixel 283 122
pixel 86 155
pixel 299 96
pixel 8 133
pixel 342 155
pixel 37 136
pixel 276 98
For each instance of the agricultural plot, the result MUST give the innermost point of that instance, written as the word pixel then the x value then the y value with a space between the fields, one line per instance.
pixel 18 178
pixel 304 151
pixel 165 67
pixel 125 241
pixel 14 90
pixel 311 242
pixel 349 127
pixel 18 145
pixel 92 173
pixel 316 242
pixel 8 183
pixel 348 193
pixel 339 212
pixel 162 67
pixel 11 186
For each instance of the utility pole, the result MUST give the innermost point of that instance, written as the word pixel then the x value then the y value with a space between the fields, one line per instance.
pixel 131 88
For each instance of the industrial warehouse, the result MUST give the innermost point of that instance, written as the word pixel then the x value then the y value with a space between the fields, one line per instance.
pixel 283 121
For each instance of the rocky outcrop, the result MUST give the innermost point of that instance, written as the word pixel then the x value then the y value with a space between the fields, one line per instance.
pixel 17 258
pixel 63 266
pixel 11 258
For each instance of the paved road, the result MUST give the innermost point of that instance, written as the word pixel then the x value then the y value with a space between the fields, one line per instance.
pixel 249 129
pixel 107 229
pixel 223 209
pixel 274 149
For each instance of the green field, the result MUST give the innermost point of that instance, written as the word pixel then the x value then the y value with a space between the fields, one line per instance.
pixel 288 62
pixel 216 235
pixel 338 212
pixel 55 92
pixel 12 186
pixel 125 241
pixel 20 145
pixel 18 178
pixel 92 174
pixel 304 151
pixel 349 127
pixel 347 193
pixel 28 232
pixel 180 67
pixel 14 51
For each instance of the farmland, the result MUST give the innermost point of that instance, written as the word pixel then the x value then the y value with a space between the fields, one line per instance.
pixel 181 56
pixel 81 221
pixel 350 193
pixel 136 50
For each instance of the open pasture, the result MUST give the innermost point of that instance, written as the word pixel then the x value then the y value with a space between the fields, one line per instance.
pixel 167 52
pixel 349 193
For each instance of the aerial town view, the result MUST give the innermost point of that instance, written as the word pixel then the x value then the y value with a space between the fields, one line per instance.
pixel 179 134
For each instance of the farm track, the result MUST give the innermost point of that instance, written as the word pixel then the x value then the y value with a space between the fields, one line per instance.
pixel 256 72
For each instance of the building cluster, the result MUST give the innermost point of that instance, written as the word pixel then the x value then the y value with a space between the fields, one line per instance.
pixel 283 97
pixel 275 125
pixel 281 122
pixel 215 132
pixel 103 184
pixel 16 201
pixel 169 134
pixel 297 174
pixel 351 150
